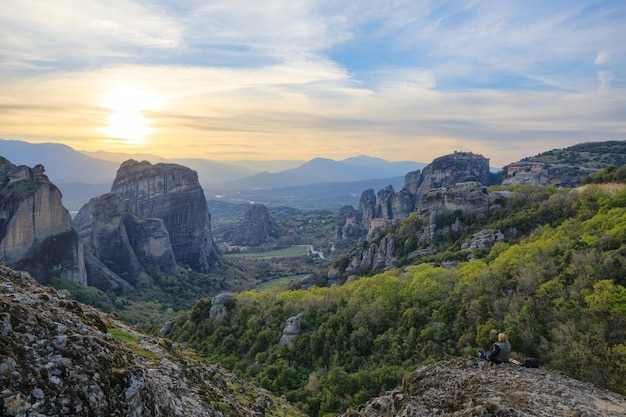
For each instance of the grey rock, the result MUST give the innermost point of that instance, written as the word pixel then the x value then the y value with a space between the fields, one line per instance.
pixel 291 330
pixel 35 232
pixel 97 374
pixel 462 387
pixel 172 193
pixel 218 304
pixel 257 228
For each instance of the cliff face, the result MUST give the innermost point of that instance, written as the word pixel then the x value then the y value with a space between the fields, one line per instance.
pixel 258 227
pixel 172 193
pixel 451 183
pixel 541 174
pixel 433 212
pixel 466 387
pixel 35 230
pixel 61 358
pixel 441 173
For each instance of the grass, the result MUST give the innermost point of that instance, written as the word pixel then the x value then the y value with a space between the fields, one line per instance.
pixel 132 341
pixel 278 282
pixel 290 252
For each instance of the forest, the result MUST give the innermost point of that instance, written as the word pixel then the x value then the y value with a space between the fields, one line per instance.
pixel 558 289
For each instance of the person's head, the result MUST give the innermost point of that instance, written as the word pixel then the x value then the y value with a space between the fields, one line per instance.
pixel 502 337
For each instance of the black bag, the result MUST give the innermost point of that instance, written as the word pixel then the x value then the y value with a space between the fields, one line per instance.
pixel 531 363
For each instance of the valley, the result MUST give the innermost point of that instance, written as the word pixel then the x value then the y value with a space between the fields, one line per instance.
pixel 331 307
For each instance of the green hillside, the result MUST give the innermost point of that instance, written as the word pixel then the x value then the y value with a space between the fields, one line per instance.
pixel 558 289
pixel 587 155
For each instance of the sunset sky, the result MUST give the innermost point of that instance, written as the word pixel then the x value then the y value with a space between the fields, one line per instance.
pixel 298 79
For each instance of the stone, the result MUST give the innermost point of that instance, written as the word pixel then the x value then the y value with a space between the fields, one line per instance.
pixel 218 304
pixel 102 375
pixel 291 330
pixel 257 228
pixel 35 228
pixel 172 193
pixel 463 387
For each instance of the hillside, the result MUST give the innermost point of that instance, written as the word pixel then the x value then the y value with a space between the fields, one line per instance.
pixel 586 155
pixel 555 285
pixel 59 357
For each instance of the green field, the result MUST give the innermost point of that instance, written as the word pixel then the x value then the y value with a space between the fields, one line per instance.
pixel 290 252
pixel 278 282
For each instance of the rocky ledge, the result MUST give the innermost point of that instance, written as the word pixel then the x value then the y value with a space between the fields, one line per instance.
pixel 61 358
pixel 465 387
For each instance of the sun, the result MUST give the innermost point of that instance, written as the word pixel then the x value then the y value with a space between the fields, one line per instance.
pixel 126 120
pixel 130 125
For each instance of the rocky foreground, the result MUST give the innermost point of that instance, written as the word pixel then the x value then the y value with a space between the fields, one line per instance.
pixel 61 358
pixel 467 387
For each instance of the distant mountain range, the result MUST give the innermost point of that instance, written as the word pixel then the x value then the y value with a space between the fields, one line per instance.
pixel 81 176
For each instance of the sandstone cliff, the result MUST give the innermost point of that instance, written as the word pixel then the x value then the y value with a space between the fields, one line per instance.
pixel 467 387
pixel 172 193
pixel 35 230
pixel 61 358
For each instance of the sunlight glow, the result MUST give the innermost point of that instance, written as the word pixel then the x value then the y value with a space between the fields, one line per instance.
pixel 127 124
pixel 126 119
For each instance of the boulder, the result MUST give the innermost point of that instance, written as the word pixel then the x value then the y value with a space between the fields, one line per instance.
pixel 218 304
pixel 291 330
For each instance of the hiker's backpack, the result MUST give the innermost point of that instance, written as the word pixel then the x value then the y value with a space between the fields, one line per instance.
pixel 531 363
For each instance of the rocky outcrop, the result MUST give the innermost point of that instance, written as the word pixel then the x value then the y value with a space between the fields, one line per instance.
pixel 35 230
pixel 257 228
pixel 441 173
pixel 541 174
pixel 440 211
pixel 219 303
pixel 61 358
pixel 464 198
pixel 482 241
pixel 291 330
pixel 115 237
pixel 466 387
pixel 170 192
pixel 156 215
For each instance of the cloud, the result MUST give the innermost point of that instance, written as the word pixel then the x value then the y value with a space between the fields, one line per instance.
pixel 41 34
pixel 317 77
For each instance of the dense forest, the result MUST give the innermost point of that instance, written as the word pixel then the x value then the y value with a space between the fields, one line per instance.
pixel 558 289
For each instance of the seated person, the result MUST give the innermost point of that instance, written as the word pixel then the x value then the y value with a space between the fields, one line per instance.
pixel 501 350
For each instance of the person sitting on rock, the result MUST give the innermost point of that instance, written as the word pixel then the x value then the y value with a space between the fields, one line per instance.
pixel 501 349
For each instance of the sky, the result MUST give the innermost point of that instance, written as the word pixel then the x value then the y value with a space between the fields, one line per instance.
pixel 299 79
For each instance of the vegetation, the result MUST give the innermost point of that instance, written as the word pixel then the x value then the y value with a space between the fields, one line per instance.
pixel 558 288
pixel 587 155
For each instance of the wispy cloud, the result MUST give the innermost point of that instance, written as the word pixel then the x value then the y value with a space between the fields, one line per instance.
pixel 399 79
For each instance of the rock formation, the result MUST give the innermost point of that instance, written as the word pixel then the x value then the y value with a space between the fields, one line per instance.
pixel 439 211
pixel 155 215
pixel 441 173
pixel 172 193
pixel 219 302
pixel 35 230
pixel 257 228
pixel 291 330
pixel 541 174
pixel 114 237
pixel 61 358
pixel 467 387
